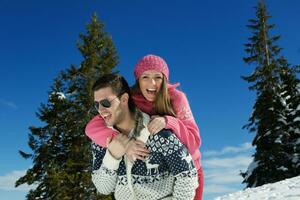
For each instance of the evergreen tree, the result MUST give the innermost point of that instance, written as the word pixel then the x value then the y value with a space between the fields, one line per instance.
pixel 62 160
pixel 290 94
pixel 271 120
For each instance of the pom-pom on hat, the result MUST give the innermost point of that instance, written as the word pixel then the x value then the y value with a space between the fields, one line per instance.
pixel 151 62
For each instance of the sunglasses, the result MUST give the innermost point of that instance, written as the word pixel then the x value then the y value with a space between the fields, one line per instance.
pixel 104 103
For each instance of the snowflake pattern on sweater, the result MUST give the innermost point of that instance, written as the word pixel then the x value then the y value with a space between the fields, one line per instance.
pixel 168 172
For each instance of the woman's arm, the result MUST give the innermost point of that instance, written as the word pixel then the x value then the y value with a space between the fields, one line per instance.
pixel 98 131
pixel 183 125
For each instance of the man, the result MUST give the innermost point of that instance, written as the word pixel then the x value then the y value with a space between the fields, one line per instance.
pixel 167 173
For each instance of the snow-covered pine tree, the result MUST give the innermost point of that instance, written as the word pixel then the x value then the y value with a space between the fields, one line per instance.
pixel 290 95
pixel 60 150
pixel 270 120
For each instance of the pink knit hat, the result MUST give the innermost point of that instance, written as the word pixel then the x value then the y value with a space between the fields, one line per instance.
pixel 151 62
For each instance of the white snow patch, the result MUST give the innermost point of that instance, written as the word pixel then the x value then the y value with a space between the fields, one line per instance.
pixel 278 140
pixel 297 119
pixel 298 107
pixel 60 95
pixel 288 189
pixel 297 131
pixel 282 168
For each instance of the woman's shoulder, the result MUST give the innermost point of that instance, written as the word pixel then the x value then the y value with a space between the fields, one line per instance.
pixel 174 91
pixel 180 104
pixel 176 95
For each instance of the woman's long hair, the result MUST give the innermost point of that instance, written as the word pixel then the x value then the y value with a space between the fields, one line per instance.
pixel 162 102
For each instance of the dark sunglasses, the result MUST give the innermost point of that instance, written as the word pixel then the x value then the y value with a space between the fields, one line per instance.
pixel 104 102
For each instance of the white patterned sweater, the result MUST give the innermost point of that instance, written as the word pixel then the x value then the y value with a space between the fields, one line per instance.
pixel 168 172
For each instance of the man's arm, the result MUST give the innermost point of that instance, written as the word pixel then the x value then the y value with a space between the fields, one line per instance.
pixel 105 167
pixel 106 163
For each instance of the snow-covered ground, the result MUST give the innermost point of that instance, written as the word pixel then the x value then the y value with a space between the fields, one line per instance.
pixel 288 189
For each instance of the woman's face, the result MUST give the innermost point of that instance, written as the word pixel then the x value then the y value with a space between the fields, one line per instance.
pixel 150 84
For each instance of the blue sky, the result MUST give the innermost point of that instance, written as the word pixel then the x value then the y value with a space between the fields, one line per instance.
pixel 202 42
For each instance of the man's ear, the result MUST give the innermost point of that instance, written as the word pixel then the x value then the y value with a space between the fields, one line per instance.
pixel 124 98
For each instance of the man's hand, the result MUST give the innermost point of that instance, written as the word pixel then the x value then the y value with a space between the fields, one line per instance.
pixel 118 146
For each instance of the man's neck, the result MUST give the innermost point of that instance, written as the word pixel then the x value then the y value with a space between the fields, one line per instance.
pixel 127 124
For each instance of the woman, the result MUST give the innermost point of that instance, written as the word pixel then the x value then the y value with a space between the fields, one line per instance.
pixel 168 107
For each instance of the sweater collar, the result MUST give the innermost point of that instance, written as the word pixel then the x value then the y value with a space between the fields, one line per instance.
pixel 144 133
pixel 141 132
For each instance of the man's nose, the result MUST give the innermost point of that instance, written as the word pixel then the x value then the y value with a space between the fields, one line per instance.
pixel 101 109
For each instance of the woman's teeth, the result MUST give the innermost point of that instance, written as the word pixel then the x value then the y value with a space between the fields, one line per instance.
pixel 151 90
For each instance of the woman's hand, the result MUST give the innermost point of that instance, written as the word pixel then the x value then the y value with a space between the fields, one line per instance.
pixel 156 124
pixel 136 149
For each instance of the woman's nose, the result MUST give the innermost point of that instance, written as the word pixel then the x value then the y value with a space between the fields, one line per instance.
pixel 153 81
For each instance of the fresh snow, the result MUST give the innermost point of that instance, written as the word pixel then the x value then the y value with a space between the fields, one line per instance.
pixel 297 119
pixel 288 189
pixel 60 95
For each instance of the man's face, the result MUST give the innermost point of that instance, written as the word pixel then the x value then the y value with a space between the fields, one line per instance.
pixel 112 115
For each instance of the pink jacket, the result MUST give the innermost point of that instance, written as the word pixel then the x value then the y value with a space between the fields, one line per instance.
pixel 184 125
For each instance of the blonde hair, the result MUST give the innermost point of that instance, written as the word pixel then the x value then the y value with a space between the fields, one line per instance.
pixel 162 102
